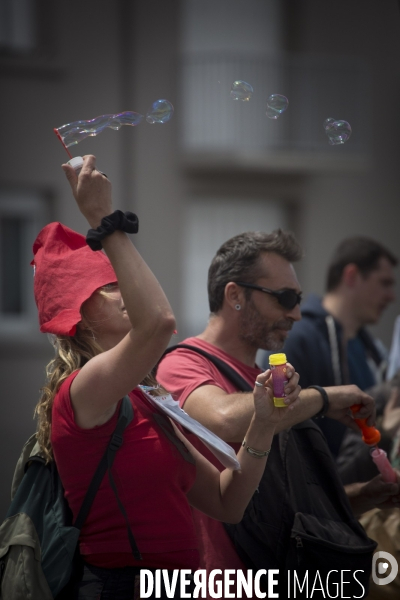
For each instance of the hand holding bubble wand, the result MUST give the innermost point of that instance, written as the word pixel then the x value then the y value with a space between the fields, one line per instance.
pixel 71 134
pixel 371 436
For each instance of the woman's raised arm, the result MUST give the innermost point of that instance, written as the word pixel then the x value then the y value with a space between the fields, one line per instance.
pixel 133 329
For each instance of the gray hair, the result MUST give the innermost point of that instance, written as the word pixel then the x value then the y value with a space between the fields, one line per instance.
pixel 238 260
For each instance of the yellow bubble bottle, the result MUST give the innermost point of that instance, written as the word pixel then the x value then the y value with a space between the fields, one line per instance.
pixel 278 366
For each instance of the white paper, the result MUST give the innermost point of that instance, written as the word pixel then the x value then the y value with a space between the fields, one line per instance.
pixel 225 454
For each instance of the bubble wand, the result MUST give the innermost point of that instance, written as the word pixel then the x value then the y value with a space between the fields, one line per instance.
pixel 70 134
pixel 371 436
pixel 73 133
pixel 62 141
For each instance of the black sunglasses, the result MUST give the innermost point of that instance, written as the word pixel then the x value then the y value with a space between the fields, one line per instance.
pixel 286 298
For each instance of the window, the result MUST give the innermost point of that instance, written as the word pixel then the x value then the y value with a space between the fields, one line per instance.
pixel 22 215
pixel 27 31
pixel 18 27
pixel 209 223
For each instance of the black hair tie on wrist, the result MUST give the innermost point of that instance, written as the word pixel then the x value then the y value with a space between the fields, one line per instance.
pixel 118 220
pixel 325 401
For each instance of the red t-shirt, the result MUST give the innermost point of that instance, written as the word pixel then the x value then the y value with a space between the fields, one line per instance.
pixel 181 372
pixel 152 480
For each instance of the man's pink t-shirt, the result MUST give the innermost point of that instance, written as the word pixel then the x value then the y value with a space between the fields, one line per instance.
pixel 181 372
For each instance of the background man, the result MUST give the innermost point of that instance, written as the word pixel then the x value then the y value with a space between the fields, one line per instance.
pixel 330 345
pixel 254 300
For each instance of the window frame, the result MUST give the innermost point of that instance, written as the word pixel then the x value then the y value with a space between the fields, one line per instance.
pixel 33 206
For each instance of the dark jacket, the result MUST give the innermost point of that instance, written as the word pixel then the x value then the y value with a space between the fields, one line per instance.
pixel 307 346
pixel 321 359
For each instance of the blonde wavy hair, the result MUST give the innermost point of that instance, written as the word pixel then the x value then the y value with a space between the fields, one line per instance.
pixel 71 354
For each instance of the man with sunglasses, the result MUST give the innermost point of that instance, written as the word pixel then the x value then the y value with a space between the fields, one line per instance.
pixel 254 297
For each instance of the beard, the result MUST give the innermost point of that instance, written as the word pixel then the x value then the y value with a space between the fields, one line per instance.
pixel 258 333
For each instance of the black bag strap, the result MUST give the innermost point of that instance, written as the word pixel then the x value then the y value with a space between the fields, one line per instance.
pixel 225 369
pixel 125 417
pixel 239 534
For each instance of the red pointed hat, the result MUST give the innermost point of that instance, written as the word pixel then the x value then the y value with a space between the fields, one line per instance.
pixel 67 272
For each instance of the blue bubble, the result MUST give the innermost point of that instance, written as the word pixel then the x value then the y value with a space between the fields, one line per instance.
pixel 161 111
pixel 241 90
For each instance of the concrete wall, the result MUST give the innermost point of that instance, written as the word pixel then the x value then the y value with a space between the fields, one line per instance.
pixel 367 202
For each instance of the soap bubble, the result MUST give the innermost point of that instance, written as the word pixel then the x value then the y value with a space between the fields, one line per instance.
pixel 276 105
pixel 73 133
pixel 160 112
pixel 240 90
pixel 338 132
pixel 328 122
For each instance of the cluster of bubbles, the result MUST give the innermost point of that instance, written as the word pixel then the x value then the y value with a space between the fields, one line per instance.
pixel 276 104
pixel 160 111
pixel 338 132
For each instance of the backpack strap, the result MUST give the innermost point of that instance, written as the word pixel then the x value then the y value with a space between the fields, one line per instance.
pixel 225 369
pixel 106 463
pixel 248 536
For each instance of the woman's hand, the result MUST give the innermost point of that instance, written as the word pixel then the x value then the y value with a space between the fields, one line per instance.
pixel 225 496
pixel 264 408
pixel 91 190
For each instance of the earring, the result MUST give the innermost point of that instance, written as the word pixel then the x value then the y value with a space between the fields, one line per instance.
pixel 237 306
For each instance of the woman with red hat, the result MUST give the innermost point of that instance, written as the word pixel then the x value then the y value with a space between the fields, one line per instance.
pixel 112 322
